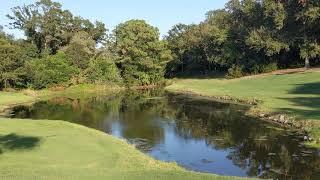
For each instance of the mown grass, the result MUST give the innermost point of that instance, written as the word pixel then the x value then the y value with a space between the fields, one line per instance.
pixel 60 150
pixel 293 94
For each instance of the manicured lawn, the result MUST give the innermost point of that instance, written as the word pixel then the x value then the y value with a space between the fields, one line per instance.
pixel 295 94
pixel 60 150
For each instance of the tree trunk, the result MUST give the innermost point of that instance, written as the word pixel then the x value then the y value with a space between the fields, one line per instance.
pixel 182 68
pixel 307 63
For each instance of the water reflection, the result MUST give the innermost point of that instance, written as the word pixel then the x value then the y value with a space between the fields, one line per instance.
pixel 199 134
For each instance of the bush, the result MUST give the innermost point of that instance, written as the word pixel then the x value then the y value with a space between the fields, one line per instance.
pixel 141 74
pixel 235 72
pixel 132 76
pixel 50 71
pixel 102 71
pixel 268 68
pixel 263 68
pixel 11 62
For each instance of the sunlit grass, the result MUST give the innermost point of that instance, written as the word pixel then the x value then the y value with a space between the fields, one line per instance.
pixel 294 94
pixel 11 98
pixel 60 150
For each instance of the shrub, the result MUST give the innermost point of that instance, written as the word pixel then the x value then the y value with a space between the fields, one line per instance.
pixel 142 74
pixel 235 72
pixel 102 71
pixel 11 62
pixel 50 70
pixel 133 76
pixel 268 68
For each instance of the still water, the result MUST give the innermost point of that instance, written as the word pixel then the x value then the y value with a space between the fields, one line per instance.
pixel 197 133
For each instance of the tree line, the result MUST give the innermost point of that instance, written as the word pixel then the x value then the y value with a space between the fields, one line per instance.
pixel 246 37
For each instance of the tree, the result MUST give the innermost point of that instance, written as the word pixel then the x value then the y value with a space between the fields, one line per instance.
pixel 50 27
pixel 141 56
pixel 2 34
pixel 178 46
pixel 80 49
pixel 196 47
pixel 11 62
pixel 309 17
pixel 247 37
pixel 214 34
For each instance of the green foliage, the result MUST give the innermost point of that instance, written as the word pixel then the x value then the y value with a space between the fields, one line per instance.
pixel 266 68
pixel 11 62
pixel 80 50
pixel 251 34
pixel 50 71
pixel 262 68
pixel 197 47
pixel 235 72
pixel 310 50
pixel 59 48
pixel 50 27
pixel 276 12
pixel 141 56
pixel 102 71
pixel 261 39
pixel 246 37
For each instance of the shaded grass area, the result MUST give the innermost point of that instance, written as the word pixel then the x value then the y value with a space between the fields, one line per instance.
pixel 13 142
pixel 295 94
pixel 60 150
pixel 305 95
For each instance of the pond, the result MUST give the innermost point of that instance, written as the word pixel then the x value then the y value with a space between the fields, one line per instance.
pixel 197 133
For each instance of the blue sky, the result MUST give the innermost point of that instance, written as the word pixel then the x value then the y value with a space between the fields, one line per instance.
pixel 162 13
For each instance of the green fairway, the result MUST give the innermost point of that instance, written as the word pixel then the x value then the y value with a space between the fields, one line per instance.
pixel 60 150
pixel 294 94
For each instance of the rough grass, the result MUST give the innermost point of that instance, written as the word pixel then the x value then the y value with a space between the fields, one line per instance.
pixel 60 150
pixel 8 99
pixel 295 94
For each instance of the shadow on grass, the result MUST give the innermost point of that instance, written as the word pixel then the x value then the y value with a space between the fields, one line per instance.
pixel 12 142
pixel 308 98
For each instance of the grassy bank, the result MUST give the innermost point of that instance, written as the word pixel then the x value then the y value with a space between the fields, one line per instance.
pixel 60 150
pixel 296 94
pixel 8 99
